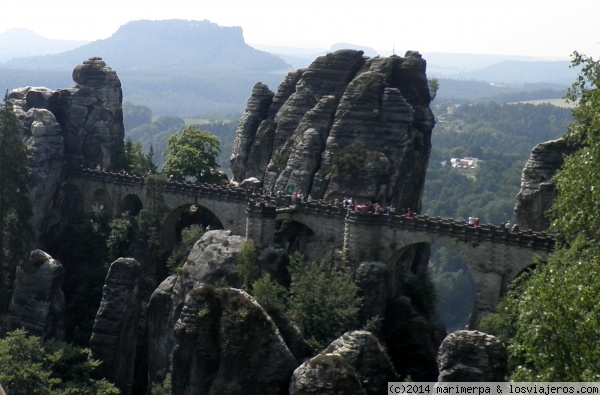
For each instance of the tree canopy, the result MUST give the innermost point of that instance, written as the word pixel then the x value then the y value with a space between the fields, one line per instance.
pixel 193 154
pixel 552 317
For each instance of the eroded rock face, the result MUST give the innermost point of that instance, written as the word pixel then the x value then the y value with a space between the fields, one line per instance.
pixel 226 344
pixel 90 114
pixel 82 124
pixel 537 192
pixel 345 126
pixel 214 259
pixel 472 356
pixel 115 328
pixel 356 363
pixel 37 302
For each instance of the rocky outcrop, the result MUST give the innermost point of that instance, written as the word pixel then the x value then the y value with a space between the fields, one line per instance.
pixel 90 114
pixel 371 278
pixel 226 344
pixel 345 126
pixel 37 303
pixel 115 328
pixel 45 149
pixel 412 338
pixel 356 363
pixel 82 124
pixel 472 356
pixel 537 192
pixel 212 261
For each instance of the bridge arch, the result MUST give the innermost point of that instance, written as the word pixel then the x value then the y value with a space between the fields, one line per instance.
pixel 293 235
pixel 184 216
pixel 131 204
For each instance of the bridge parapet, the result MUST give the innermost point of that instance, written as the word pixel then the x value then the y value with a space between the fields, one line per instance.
pixel 436 225
pixel 317 208
pixel 221 192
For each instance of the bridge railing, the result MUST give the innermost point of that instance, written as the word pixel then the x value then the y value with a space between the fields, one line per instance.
pixel 225 192
pixel 451 227
pixel 536 240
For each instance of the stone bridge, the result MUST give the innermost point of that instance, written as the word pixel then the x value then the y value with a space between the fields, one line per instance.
pixel 494 255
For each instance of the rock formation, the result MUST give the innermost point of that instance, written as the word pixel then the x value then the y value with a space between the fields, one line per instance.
pixel 90 114
pixel 37 303
pixel 82 124
pixel 355 363
pixel 537 192
pixel 345 126
pixel 226 344
pixel 212 261
pixel 115 328
pixel 472 356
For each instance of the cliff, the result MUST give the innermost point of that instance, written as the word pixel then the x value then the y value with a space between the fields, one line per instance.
pixel 537 192
pixel 347 125
pixel 82 125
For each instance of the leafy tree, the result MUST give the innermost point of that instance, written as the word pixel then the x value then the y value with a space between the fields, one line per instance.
pixel 136 161
pixel 248 267
pixel 29 367
pixel 15 205
pixel 554 313
pixel 119 238
pixel 193 153
pixel 189 237
pixel 269 294
pixel 324 302
pixel 434 86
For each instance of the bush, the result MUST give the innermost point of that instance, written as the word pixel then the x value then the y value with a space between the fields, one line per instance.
pixel 29 367
pixel 269 294
pixel 324 302
pixel 248 266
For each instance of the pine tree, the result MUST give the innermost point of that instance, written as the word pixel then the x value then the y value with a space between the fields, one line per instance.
pixel 15 204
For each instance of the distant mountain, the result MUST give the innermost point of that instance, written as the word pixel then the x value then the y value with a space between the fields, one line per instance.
pixel 198 68
pixel 16 43
pixel 175 67
pixel 173 45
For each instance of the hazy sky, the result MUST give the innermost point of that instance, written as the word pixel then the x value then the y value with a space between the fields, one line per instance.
pixel 543 28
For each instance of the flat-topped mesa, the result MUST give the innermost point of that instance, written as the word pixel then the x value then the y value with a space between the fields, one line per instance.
pixel 347 125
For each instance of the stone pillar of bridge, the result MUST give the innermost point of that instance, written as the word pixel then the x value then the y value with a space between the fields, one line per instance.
pixel 362 237
pixel 260 223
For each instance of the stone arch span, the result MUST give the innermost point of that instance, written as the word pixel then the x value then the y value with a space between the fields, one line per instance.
pixel 492 266
pixel 294 236
pixel 494 256
pixel 183 216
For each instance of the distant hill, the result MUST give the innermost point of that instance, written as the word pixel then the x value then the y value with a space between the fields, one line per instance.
pixel 200 69
pixel 521 72
pixel 175 67
pixel 175 45
pixel 15 43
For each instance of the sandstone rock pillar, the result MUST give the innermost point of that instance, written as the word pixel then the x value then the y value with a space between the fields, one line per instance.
pixel 113 339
